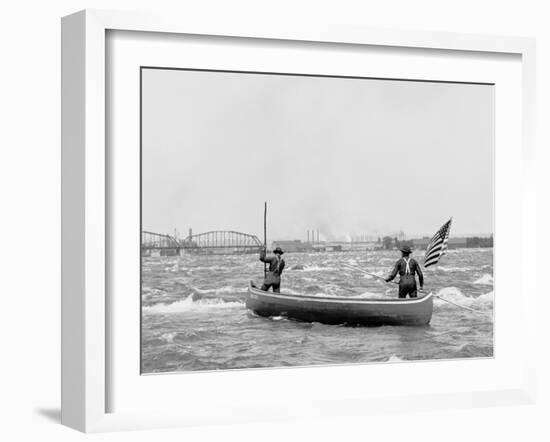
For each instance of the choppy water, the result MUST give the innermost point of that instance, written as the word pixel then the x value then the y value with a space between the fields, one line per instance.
pixel 194 317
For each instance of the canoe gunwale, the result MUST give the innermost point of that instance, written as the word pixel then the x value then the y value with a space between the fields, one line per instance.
pixel 341 300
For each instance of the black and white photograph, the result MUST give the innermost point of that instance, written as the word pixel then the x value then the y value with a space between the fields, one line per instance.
pixel 302 220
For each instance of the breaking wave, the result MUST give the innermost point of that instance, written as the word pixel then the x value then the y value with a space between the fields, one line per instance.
pixel 316 268
pixel 456 269
pixel 455 295
pixel 485 279
pixel 218 291
pixel 189 305
pixel 147 291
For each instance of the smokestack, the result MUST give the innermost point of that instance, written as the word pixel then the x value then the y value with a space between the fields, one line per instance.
pixel 190 233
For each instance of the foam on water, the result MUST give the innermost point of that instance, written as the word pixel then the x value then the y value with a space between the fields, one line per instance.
pixel 153 291
pixel 456 269
pixel 485 279
pixel 486 298
pixel 218 291
pixel 307 279
pixel 188 305
pixel 168 337
pixel 371 295
pixel 455 295
pixel 290 291
pixel 377 271
pixel 207 268
pixel 316 268
pixel 174 266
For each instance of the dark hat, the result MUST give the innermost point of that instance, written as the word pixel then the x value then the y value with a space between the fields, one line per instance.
pixel 278 250
pixel 405 249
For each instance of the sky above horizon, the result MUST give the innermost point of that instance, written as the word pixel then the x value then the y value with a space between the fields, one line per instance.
pixel 346 156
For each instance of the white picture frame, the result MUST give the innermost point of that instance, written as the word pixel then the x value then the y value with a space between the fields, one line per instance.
pixel 86 204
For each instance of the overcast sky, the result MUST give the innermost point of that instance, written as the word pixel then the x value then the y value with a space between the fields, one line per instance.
pixel 344 156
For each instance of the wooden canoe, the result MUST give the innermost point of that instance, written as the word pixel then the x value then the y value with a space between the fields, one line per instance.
pixel 341 310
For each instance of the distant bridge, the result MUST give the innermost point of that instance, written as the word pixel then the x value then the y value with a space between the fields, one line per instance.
pixel 222 239
pixel 158 241
pixel 217 241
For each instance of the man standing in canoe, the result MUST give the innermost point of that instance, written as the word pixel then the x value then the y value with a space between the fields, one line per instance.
pixel 407 267
pixel 276 266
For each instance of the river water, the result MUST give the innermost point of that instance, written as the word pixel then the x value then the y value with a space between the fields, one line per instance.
pixel 194 316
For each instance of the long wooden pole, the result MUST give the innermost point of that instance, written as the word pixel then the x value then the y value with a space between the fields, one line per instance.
pixel 458 305
pixel 435 296
pixel 358 269
pixel 265 236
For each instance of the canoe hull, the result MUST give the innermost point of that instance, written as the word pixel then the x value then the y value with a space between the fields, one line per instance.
pixel 349 311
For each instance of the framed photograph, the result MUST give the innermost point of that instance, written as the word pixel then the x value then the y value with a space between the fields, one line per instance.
pixel 253 208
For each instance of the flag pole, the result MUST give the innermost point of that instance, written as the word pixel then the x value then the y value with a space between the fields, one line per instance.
pixel 265 236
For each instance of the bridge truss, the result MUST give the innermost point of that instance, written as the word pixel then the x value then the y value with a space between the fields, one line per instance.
pixel 222 240
pixel 217 241
pixel 158 241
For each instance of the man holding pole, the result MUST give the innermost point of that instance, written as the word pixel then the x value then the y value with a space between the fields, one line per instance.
pixel 276 265
pixel 407 267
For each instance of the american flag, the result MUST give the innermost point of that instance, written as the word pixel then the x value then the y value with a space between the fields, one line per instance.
pixel 438 244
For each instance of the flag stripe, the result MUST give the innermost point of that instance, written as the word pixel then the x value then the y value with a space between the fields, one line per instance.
pixel 437 248
pixel 434 244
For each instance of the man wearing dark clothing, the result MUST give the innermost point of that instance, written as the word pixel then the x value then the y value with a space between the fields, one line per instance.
pixel 276 266
pixel 407 267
